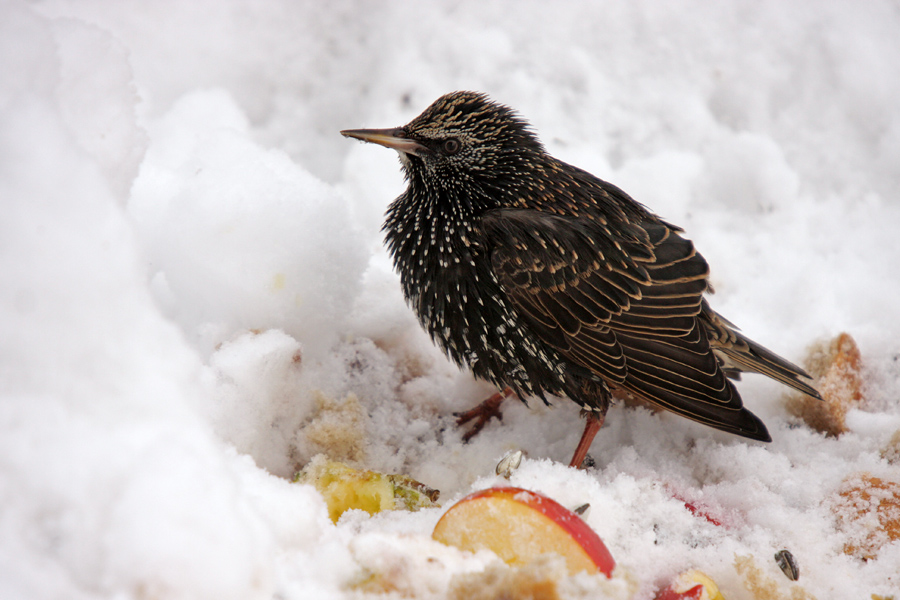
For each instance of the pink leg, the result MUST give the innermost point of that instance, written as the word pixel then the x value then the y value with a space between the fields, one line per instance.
pixel 483 413
pixel 594 421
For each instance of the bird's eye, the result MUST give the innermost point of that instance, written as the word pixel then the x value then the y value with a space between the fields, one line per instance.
pixel 451 146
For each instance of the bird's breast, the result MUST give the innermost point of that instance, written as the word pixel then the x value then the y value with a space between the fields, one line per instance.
pixel 448 280
pixel 461 304
pixel 455 295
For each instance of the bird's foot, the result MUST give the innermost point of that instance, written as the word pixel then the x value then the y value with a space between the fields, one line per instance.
pixel 483 413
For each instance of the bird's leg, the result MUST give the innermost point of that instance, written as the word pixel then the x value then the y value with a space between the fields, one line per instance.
pixel 483 413
pixel 593 423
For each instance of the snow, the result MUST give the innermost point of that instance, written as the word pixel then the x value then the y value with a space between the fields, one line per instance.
pixel 194 300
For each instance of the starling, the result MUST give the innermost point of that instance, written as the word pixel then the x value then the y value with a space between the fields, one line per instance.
pixel 546 280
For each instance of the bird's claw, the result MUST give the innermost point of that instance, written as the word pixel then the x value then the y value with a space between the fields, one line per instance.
pixel 481 414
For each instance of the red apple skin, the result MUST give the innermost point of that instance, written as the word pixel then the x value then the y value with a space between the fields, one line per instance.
pixel 695 593
pixel 562 516
pixel 691 585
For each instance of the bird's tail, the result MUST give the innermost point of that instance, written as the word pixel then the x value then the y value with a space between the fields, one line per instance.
pixel 745 355
pixel 739 354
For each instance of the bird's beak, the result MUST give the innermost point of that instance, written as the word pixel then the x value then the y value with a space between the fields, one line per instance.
pixel 389 138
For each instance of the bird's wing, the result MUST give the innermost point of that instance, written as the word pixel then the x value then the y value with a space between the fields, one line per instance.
pixel 620 301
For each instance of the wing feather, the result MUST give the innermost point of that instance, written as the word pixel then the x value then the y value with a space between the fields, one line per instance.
pixel 623 304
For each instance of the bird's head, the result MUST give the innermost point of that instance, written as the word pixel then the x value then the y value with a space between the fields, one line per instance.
pixel 462 139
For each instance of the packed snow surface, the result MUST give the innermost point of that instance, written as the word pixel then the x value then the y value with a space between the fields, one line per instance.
pixel 194 300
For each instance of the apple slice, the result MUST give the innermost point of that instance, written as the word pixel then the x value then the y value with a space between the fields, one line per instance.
pixel 343 487
pixel 519 525
pixel 691 585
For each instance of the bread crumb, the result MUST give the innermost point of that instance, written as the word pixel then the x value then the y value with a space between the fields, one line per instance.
pixel 835 366
pixel 868 512
pixel 763 587
pixel 337 429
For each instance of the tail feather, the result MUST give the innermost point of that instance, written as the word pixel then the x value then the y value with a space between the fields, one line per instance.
pixel 745 355
pixel 739 354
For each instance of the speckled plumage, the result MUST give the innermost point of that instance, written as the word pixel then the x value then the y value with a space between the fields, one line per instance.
pixel 539 276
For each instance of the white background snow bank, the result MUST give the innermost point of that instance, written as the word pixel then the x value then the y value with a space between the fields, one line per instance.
pixel 171 178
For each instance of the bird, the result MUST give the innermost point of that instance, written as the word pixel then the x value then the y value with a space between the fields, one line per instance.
pixel 546 280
